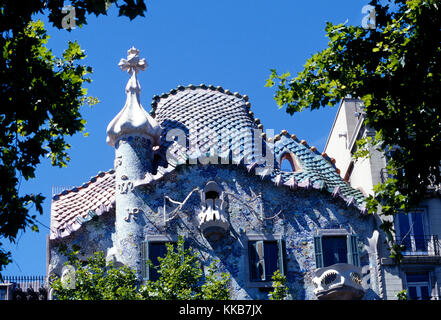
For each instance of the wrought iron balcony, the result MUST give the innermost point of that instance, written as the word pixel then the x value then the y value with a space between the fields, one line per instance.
pixel 24 288
pixel 339 281
pixel 384 175
pixel 420 245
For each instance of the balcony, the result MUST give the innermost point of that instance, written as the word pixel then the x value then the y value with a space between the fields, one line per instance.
pixel 339 281
pixel 24 288
pixel 420 248
pixel 420 245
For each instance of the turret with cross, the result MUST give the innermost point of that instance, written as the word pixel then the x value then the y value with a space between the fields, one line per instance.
pixel 133 133
pixel 133 64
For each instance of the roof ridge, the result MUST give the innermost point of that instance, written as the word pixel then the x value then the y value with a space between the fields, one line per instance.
pixel 325 156
pixel 157 98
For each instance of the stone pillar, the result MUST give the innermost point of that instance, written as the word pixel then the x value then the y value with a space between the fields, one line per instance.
pixel 133 158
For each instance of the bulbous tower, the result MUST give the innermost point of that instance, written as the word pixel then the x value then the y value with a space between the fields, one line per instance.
pixel 133 133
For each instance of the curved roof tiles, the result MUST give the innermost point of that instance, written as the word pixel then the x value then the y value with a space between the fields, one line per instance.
pixel 207 115
pixel 71 208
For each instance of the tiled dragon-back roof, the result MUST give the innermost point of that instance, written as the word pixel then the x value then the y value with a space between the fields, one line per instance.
pixel 71 208
pixel 212 111
pixel 205 113
pixel 318 170
pixel 208 112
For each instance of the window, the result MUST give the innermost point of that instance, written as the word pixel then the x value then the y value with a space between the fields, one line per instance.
pixel 211 197
pixel 3 292
pixel 288 163
pixel 411 232
pixel 335 250
pixel 265 257
pixel 418 286
pixel 339 247
pixel 151 250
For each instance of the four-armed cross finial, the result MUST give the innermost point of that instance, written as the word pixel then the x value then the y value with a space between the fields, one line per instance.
pixel 132 63
pixel 133 120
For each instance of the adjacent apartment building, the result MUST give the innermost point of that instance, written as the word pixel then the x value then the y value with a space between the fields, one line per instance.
pixel 420 271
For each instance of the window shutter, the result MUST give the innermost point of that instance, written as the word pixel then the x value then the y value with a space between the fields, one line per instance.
pixel 144 259
pixel 260 265
pixel 353 255
pixel 318 251
pixel 281 264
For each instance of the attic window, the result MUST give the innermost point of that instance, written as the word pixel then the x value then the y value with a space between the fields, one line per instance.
pixel 288 163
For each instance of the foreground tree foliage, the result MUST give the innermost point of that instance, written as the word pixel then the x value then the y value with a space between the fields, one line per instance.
pixel 41 96
pixel 96 279
pixel 181 278
pixel 395 69
pixel 280 290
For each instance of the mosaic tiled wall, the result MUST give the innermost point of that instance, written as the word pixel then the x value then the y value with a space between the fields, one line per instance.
pixel 251 202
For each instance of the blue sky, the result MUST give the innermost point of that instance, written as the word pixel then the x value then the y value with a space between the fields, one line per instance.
pixel 227 43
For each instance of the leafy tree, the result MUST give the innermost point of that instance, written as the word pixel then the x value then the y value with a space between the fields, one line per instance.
pixel 181 278
pixel 96 279
pixel 280 290
pixel 40 105
pixel 395 69
pixel 14 16
pixel 216 286
pixel 41 96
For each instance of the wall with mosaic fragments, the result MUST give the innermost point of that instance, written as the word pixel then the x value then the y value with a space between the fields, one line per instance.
pixel 254 207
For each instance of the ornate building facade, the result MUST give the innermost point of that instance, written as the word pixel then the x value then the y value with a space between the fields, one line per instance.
pixel 200 166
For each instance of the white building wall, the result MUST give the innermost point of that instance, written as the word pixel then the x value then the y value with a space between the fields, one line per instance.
pixel 361 177
pixel 394 282
pixel 337 145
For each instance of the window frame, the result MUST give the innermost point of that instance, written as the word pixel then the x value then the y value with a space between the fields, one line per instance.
pixel 145 252
pixel 353 252
pixel 411 233
pixel 292 159
pixel 282 265
pixel 429 283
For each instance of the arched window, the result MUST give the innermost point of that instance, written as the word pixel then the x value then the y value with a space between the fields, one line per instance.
pixel 212 193
pixel 288 163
